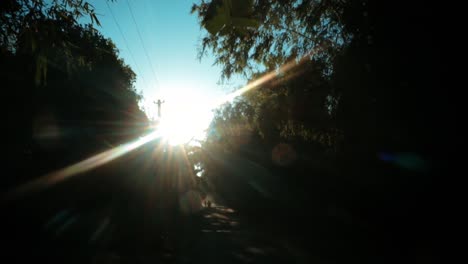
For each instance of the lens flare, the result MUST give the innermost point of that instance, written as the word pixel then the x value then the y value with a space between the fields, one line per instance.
pixel 93 162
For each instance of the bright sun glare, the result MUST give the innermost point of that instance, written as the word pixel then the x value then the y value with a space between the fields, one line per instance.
pixel 184 117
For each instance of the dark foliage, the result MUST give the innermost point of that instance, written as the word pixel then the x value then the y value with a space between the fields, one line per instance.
pixel 346 148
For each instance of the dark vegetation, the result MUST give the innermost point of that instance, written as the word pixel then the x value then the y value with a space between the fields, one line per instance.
pixel 67 93
pixel 359 123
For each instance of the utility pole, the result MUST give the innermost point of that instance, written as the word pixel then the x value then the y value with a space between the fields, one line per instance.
pixel 159 103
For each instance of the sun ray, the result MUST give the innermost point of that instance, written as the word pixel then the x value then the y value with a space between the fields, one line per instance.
pixel 93 162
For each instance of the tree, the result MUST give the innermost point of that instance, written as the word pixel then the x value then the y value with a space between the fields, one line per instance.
pixel 69 94
pixel 246 36
pixel 381 74
pixel 24 21
pixel 257 37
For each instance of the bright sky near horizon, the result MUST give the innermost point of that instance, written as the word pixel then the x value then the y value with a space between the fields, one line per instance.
pixel 165 56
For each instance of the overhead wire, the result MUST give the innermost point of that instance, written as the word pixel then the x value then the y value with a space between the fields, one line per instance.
pixel 143 44
pixel 127 45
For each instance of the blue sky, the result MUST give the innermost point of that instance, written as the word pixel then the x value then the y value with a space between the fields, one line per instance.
pixel 171 36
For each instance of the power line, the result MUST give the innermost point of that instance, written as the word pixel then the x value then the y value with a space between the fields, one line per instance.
pixel 126 44
pixel 142 43
pixel 154 24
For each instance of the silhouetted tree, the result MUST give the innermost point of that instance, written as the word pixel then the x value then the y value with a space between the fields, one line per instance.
pixel 69 94
pixel 364 112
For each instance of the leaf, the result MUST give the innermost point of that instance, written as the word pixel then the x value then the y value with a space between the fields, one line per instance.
pixel 77 13
pixel 245 22
pixel 62 15
pixel 227 11
pixel 242 8
pixel 194 8
pixel 216 23
pixel 96 19
pixel 221 21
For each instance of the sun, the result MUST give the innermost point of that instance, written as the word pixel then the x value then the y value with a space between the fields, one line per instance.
pixel 179 129
pixel 184 118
